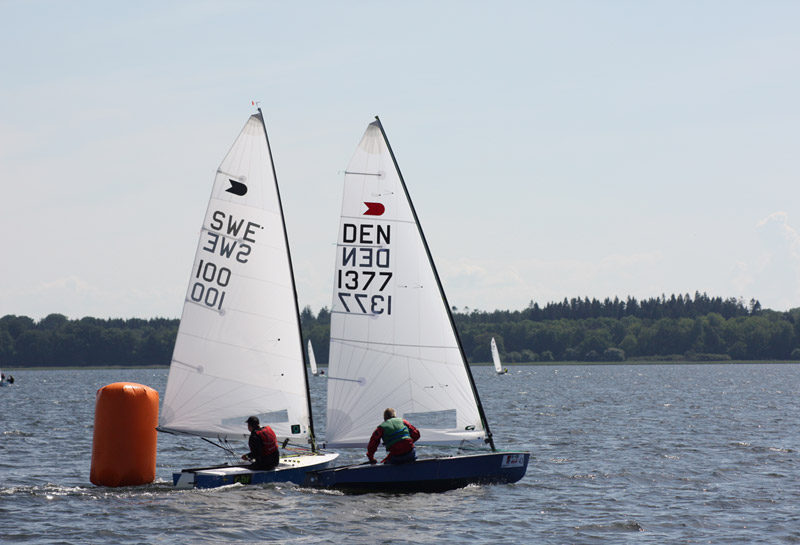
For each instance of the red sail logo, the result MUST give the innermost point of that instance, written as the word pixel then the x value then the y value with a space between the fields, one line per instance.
pixel 374 209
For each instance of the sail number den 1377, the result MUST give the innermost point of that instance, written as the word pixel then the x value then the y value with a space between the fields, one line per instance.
pixel 364 269
pixel 210 278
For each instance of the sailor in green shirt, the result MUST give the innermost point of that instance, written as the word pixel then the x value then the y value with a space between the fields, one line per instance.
pixel 398 435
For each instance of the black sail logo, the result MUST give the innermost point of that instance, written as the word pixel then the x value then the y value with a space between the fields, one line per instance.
pixel 237 188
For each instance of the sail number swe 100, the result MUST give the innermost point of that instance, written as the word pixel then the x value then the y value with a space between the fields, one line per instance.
pixel 210 295
pixel 362 302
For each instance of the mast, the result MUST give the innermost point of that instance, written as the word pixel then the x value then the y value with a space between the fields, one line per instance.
pixel 441 289
pixel 311 437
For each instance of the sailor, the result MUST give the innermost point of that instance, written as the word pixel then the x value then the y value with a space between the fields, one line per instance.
pixel 398 436
pixel 263 446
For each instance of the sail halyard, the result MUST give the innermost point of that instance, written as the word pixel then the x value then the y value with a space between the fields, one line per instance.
pixel 239 350
pixel 484 421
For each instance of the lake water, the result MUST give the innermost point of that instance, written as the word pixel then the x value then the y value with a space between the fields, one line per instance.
pixel 620 454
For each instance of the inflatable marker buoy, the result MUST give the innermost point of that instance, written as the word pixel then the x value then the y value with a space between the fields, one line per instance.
pixel 124 444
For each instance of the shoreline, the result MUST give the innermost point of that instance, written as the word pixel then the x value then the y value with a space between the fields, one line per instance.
pixel 6 370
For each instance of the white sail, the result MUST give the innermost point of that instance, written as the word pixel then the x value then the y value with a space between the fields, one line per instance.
pixel 238 351
pixel 311 359
pixel 392 341
pixel 496 357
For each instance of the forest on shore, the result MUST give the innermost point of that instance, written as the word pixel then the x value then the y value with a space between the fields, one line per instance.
pixel 678 328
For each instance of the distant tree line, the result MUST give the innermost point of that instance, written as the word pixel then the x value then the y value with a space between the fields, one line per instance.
pixel 681 306
pixel 678 328
pixel 58 341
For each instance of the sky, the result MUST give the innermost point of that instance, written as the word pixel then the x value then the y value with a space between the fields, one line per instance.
pixel 552 149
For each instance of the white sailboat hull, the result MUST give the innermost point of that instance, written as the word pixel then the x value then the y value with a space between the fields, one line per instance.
pixel 291 469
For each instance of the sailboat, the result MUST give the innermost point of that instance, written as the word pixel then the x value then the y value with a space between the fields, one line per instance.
pixel 498 367
pixel 394 343
pixel 313 361
pixel 239 350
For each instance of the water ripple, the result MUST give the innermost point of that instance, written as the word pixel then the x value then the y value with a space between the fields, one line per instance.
pixel 643 454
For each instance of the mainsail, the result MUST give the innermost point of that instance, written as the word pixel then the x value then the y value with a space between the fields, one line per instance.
pixel 393 342
pixel 312 360
pixel 238 352
pixel 496 357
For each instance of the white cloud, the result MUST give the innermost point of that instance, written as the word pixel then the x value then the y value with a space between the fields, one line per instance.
pixel 512 284
pixel 790 234
pixel 777 268
pixel 69 283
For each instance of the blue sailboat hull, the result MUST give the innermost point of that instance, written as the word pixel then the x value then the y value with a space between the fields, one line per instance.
pixel 424 475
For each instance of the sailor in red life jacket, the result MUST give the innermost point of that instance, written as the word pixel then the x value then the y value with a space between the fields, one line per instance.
pixel 398 436
pixel 263 446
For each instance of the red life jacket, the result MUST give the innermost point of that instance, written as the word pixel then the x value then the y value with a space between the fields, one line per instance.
pixel 269 442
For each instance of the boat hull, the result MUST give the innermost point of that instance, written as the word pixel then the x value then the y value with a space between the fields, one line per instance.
pixel 424 475
pixel 291 469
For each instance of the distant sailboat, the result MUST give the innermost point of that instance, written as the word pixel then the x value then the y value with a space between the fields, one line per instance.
pixel 313 361
pixel 394 342
pixel 496 359
pixel 239 350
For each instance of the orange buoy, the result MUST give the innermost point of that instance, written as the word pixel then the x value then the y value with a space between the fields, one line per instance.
pixel 124 444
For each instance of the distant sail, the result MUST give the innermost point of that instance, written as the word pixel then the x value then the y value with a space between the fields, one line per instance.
pixel 496 358
pixel 311 359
